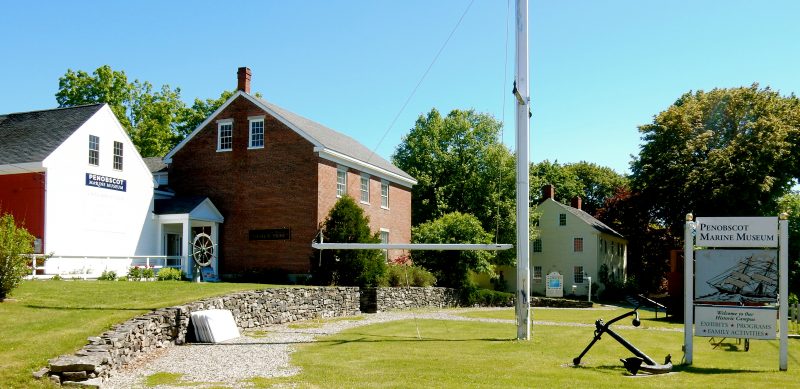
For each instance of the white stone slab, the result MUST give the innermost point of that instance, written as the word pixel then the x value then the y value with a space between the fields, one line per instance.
pixel 214 325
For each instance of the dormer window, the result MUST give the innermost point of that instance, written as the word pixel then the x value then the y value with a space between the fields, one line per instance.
pixel 225 135
pixel 94 150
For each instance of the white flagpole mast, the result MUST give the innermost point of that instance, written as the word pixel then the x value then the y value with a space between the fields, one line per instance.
pixel 521 91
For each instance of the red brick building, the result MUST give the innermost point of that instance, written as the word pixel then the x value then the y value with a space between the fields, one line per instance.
pixel 274 175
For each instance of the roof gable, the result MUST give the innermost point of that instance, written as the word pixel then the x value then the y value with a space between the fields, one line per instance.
pixel 585 218
pixel 29 137
pixel 330 144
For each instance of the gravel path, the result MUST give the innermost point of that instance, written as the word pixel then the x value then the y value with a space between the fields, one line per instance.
pixel 231 362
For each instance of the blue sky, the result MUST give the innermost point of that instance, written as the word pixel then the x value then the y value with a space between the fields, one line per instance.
pixel 598 68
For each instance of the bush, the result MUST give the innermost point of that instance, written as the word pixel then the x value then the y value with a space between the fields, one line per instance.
pixel 108 275
pixel 148 273
pixel 471 296
pixel 405 275
pixel 15 244
pixel 169 274
pixel 56 277
pixel 452 268
pixel 135 273
pixel 346 223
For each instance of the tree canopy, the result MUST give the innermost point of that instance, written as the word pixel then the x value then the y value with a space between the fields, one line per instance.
pixel 723 152
pixel 461 166
pixel 593 183
pixel 156 119
pixel 15 244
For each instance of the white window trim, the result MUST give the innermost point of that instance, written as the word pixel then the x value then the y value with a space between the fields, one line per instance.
pixel 364 176
pixel 121 156
pixel 90 150
pixel 221 123
pixel 250 121
pixel 575 275
pixel 344 170
pixel 388 234
pixel 533 275
pixel 388 191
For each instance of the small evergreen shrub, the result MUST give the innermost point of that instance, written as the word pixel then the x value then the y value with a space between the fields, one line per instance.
pixel 108 275
pixel 169 274
pixel 148 273
pixel 472 295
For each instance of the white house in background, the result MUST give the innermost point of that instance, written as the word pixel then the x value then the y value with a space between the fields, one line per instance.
pixel 574 244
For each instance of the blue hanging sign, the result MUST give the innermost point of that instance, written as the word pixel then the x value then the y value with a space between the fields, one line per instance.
pixel 105 182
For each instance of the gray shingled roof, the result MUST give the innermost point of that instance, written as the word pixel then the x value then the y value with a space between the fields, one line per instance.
pixel 31 136
pixel 336 141
pixel 155 164
pixel 589 219
pixel 177 205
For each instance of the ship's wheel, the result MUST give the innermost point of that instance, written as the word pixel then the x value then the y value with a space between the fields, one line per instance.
pixel 202 249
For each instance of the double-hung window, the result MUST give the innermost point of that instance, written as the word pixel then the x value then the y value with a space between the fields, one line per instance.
pixel 385 240
pixel 365 189
pixel 537 274
pixel 225 135
pixel 341 182
pixel 562 219
pixel 385 194
pixel 577 274
pixel 256 132
pixel 117 155
pixel 94 150
pixel 537 245
pixel 577 245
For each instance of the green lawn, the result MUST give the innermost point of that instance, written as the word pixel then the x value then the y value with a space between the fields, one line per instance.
pixel 473 354
pixel 585 316
pixel 45 319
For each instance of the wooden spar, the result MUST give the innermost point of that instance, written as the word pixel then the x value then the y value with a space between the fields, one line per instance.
pixel 410 246
pixel 523 292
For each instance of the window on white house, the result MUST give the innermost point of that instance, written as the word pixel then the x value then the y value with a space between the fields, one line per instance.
pixel 562 219
pixel 118 155
pixel 341 182
pixel 577 245
pixel 537 274
pixel 365 189
pixel 385 194
pixel 225 136
pixel 577 274
pixel 256 133
pixel 537 245
pixel 94 150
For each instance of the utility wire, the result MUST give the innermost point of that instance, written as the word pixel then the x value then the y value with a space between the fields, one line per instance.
pixel 503 126
pixel 413 92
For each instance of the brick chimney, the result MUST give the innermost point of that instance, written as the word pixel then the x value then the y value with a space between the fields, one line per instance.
pixel 243 77
pixel 576 202
pixel 548 192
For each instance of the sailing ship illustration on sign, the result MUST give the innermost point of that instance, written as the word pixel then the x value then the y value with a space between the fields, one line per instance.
pixel 753 278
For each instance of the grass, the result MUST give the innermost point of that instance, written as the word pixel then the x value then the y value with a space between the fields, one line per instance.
pixel 45 319
pixel 458 354
pixel 580 316
pixel 318 323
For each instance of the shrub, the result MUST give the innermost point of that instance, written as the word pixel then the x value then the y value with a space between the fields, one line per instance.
pixel 400 275
pixel 108 275
pixel 169 274
pixel 452 268
pixel 472 295
pixel 56 277
pixel 135 273
pixel 346 223
pixel 15 243
pixel 148 273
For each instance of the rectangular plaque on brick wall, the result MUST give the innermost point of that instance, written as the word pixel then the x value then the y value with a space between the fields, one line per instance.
pixel 271 234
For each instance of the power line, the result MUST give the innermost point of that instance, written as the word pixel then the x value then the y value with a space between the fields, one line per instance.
pixel 414 91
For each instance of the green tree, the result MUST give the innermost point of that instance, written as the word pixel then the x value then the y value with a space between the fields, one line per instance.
pixel 790 203
pixel 593 183
pixel 193 116
pixel 151 117
pixel 723 152
pixel 346 223
pixel 452 268
pixel 15 243
pixel 461 165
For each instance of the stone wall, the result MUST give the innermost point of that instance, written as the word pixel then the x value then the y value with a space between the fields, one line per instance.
pixel 170 326
pixel 388 299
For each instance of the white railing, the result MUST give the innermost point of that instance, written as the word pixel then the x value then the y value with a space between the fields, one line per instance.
pixel 85 267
